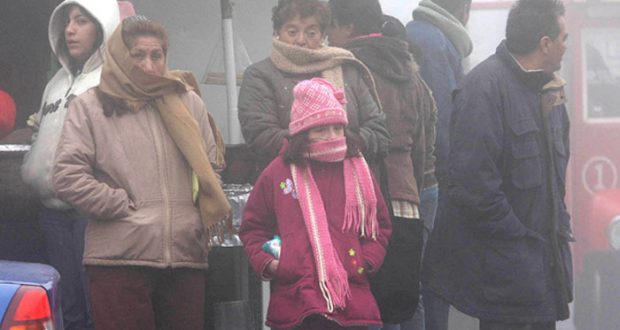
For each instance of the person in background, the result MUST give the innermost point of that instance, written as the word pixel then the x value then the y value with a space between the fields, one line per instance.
pixel 299 53
pixel 500 247
pixel 78 30
pixel 441 42
pixel 320 198
pixel 126 159
pixel 361 27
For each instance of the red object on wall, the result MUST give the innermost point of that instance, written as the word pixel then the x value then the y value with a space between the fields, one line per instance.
pixel 7 114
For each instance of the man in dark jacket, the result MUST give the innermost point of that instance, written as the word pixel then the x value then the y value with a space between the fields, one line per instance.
pixel 500 247
pixel 440 42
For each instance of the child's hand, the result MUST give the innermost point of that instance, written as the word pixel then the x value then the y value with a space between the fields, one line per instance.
pixel 272 267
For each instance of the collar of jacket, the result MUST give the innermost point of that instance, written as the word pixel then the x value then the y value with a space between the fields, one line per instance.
pixel 535 80
pixel 384 56
pixel 453 29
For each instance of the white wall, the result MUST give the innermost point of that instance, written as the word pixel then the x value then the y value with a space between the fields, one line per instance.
pixel 400 9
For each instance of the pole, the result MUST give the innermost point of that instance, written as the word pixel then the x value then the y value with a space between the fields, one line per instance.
pixel 234 131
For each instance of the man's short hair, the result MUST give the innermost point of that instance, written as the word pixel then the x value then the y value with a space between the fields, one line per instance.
pixel 454 7
pixel 529 21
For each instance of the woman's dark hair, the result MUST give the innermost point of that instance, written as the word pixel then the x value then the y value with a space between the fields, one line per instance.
pixel 62 42
pixel 141 26
pixel 531 20
pixel 286 10
pixel 392 27
pixel 111 105
pixel 365 15
pixel 297 150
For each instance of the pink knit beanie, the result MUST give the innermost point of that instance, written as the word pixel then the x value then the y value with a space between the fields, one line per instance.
pixel 316 103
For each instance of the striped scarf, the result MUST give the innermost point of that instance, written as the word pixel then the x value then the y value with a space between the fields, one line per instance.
pixel 360 214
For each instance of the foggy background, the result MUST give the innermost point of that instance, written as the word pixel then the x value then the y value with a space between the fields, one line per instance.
pixel 591 67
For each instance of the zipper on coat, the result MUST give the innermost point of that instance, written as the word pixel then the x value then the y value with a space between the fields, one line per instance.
pixel 72 80
pixel 348 325
pixel 163 183
pixel 557 266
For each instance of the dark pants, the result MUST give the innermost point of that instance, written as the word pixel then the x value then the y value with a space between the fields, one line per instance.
pixel 492 325
pixel 64 242
pixel 428 208
pixel 147 298
pixel 436 311
pixel 396 285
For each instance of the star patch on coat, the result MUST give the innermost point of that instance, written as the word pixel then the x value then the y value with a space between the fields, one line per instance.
pixel 287 188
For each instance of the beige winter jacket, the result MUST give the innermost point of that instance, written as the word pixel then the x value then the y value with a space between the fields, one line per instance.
pixel 127 175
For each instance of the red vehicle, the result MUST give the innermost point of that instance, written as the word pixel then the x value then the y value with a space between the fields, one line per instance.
pixel 597 290
pixel 594 193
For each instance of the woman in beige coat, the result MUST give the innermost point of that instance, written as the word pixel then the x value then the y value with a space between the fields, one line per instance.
pixel 125 159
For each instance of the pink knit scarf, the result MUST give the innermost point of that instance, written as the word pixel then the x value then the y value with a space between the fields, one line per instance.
pixel 360 214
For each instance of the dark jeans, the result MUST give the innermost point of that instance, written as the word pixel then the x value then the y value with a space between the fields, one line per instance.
pixel 436 311
pixel 147 298
pixel 64 242
pixel 492 325
pixel 428 209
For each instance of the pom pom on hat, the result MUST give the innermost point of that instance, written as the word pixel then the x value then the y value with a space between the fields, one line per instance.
pixel 316 103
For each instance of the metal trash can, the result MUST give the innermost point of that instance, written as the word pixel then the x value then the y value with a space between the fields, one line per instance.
pixel 233 291
pixel 234 315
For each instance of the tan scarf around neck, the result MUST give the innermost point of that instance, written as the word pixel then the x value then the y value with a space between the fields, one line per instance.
pixel 326 60
pixel 123 79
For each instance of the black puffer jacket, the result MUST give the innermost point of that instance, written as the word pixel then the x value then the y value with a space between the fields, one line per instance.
pixel 265 101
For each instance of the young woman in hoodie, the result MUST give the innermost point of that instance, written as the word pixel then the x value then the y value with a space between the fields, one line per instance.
pixel 320 198
pixel 78 30
pixel 360 27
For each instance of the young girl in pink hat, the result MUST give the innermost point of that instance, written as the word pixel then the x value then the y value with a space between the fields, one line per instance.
pixel 319 196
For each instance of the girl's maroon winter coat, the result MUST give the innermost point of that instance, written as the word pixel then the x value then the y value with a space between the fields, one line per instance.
pixel 273 209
